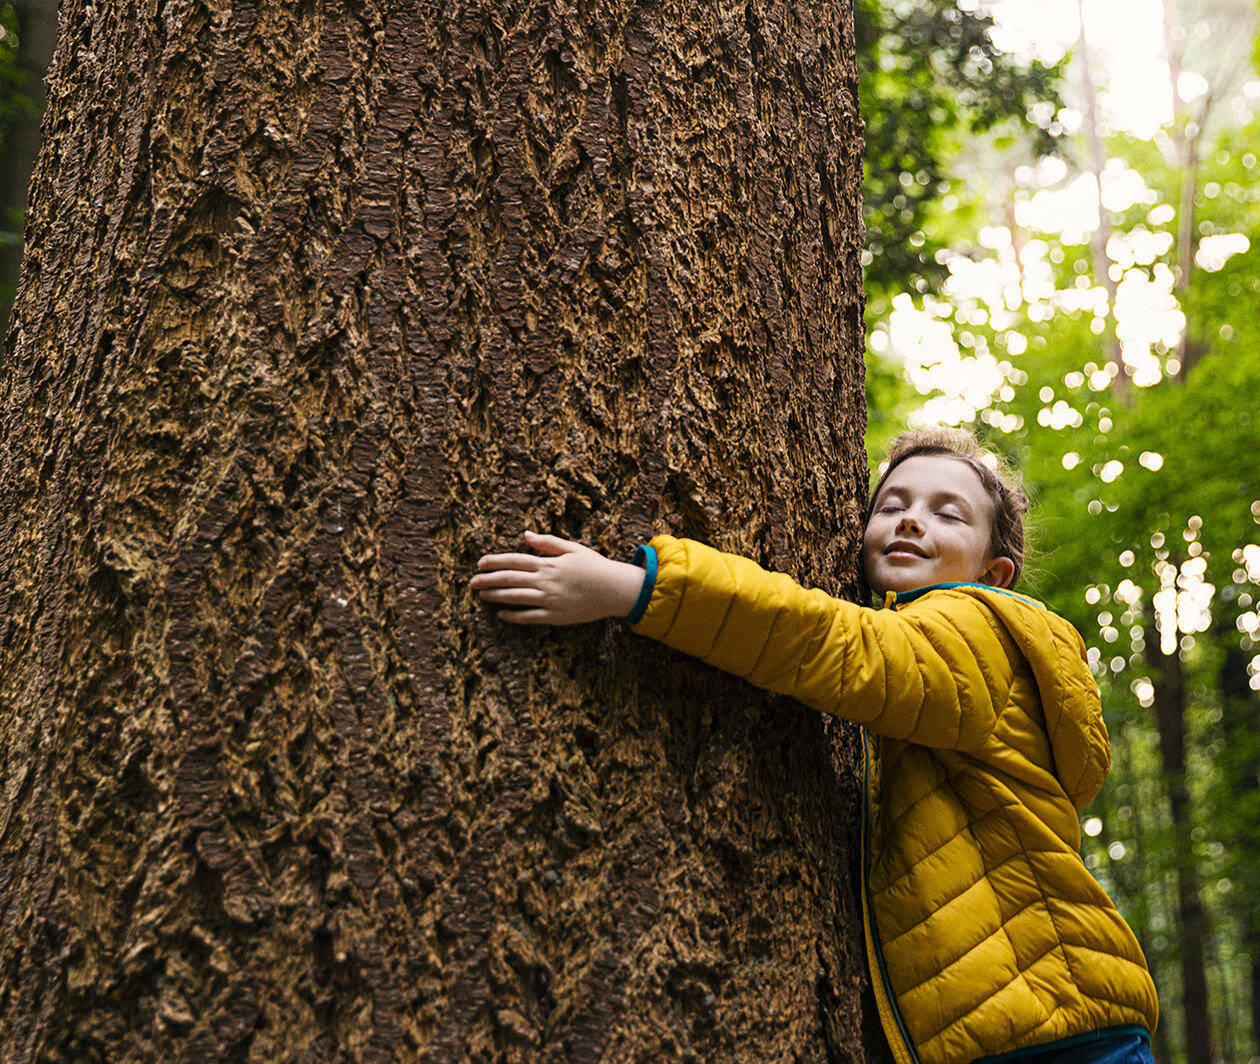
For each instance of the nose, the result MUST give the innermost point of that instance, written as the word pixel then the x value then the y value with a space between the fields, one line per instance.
pixel 908 522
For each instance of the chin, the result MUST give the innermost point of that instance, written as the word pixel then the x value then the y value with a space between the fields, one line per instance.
pixel 882 587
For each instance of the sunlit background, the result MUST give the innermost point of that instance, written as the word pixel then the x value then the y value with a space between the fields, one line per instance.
pixel 1088 298
pixel 1008 268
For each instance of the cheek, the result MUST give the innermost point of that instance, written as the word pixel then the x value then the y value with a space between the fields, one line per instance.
pixel 868 542
pixel 971 552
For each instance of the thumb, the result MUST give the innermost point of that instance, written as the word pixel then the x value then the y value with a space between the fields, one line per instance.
pixel 550 544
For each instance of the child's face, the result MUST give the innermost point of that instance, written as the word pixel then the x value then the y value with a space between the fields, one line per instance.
pixel 931 524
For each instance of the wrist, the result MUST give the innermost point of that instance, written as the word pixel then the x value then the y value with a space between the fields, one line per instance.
pixel 625 583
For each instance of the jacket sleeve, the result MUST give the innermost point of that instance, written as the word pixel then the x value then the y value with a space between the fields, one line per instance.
pixel 934 673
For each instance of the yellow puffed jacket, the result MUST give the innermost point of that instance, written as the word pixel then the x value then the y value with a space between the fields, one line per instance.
pixel 989 935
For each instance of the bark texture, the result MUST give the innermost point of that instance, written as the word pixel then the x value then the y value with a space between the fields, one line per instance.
pixel 320 302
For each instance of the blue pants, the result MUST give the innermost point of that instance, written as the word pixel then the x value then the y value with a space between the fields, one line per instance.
pixel 1126 1049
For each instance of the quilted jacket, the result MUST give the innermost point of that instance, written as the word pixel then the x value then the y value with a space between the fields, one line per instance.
pixel 986 933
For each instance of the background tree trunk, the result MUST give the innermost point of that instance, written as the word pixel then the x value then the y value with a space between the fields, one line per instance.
pixel 321 302
pixel 1192 931
pixel 1239 711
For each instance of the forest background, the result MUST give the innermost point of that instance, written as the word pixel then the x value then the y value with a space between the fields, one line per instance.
pixel 1063 225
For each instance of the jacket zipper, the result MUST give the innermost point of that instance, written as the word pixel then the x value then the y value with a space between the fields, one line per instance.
pixel 885 1000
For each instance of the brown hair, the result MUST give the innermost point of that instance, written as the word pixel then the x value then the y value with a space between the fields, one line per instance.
pixel 1001 483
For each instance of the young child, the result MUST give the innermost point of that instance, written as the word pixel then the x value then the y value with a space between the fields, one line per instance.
pixel 987 937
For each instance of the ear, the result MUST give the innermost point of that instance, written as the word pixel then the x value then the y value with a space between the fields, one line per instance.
pixel 999 572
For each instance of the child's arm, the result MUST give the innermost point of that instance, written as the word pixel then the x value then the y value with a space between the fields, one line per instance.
pixel 925 675
pixel 566 584
pixel 934 673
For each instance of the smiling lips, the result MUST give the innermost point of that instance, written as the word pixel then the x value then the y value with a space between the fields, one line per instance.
pixel 900 546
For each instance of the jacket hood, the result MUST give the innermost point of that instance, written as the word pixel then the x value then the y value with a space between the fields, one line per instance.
pixel 1069 696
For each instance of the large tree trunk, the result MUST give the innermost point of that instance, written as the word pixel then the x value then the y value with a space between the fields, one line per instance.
pixel 37 32
pixel 319 304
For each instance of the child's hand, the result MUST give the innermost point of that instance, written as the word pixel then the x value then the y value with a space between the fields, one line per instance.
pixel 566 583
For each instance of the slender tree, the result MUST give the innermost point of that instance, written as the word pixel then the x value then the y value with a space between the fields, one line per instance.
pixel 1101 236
pixel 1170 705
pixel 1242 776
pixel 1233 23
pixel 319 303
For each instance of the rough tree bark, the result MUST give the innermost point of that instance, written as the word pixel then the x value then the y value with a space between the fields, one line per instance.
pixel 321 302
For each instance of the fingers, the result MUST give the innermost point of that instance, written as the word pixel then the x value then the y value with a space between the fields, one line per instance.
pixel 526 563
pixel 514 596
pixel 504 578
pixel 546 545
pixel 513 580
pixel 550 544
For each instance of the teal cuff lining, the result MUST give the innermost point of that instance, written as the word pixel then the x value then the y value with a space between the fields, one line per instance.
pixel 910 596
pixel 645 556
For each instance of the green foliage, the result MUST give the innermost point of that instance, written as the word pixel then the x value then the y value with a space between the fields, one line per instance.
pixel 10 76
pixel 889 400
pixel 931 79
pixel 11 100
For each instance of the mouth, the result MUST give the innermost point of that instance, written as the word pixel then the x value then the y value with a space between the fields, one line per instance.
pixel 900 548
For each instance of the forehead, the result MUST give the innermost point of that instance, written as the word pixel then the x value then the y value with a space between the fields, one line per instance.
pixel 938 474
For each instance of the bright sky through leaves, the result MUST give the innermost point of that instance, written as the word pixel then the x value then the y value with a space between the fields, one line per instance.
pixel 1127 45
